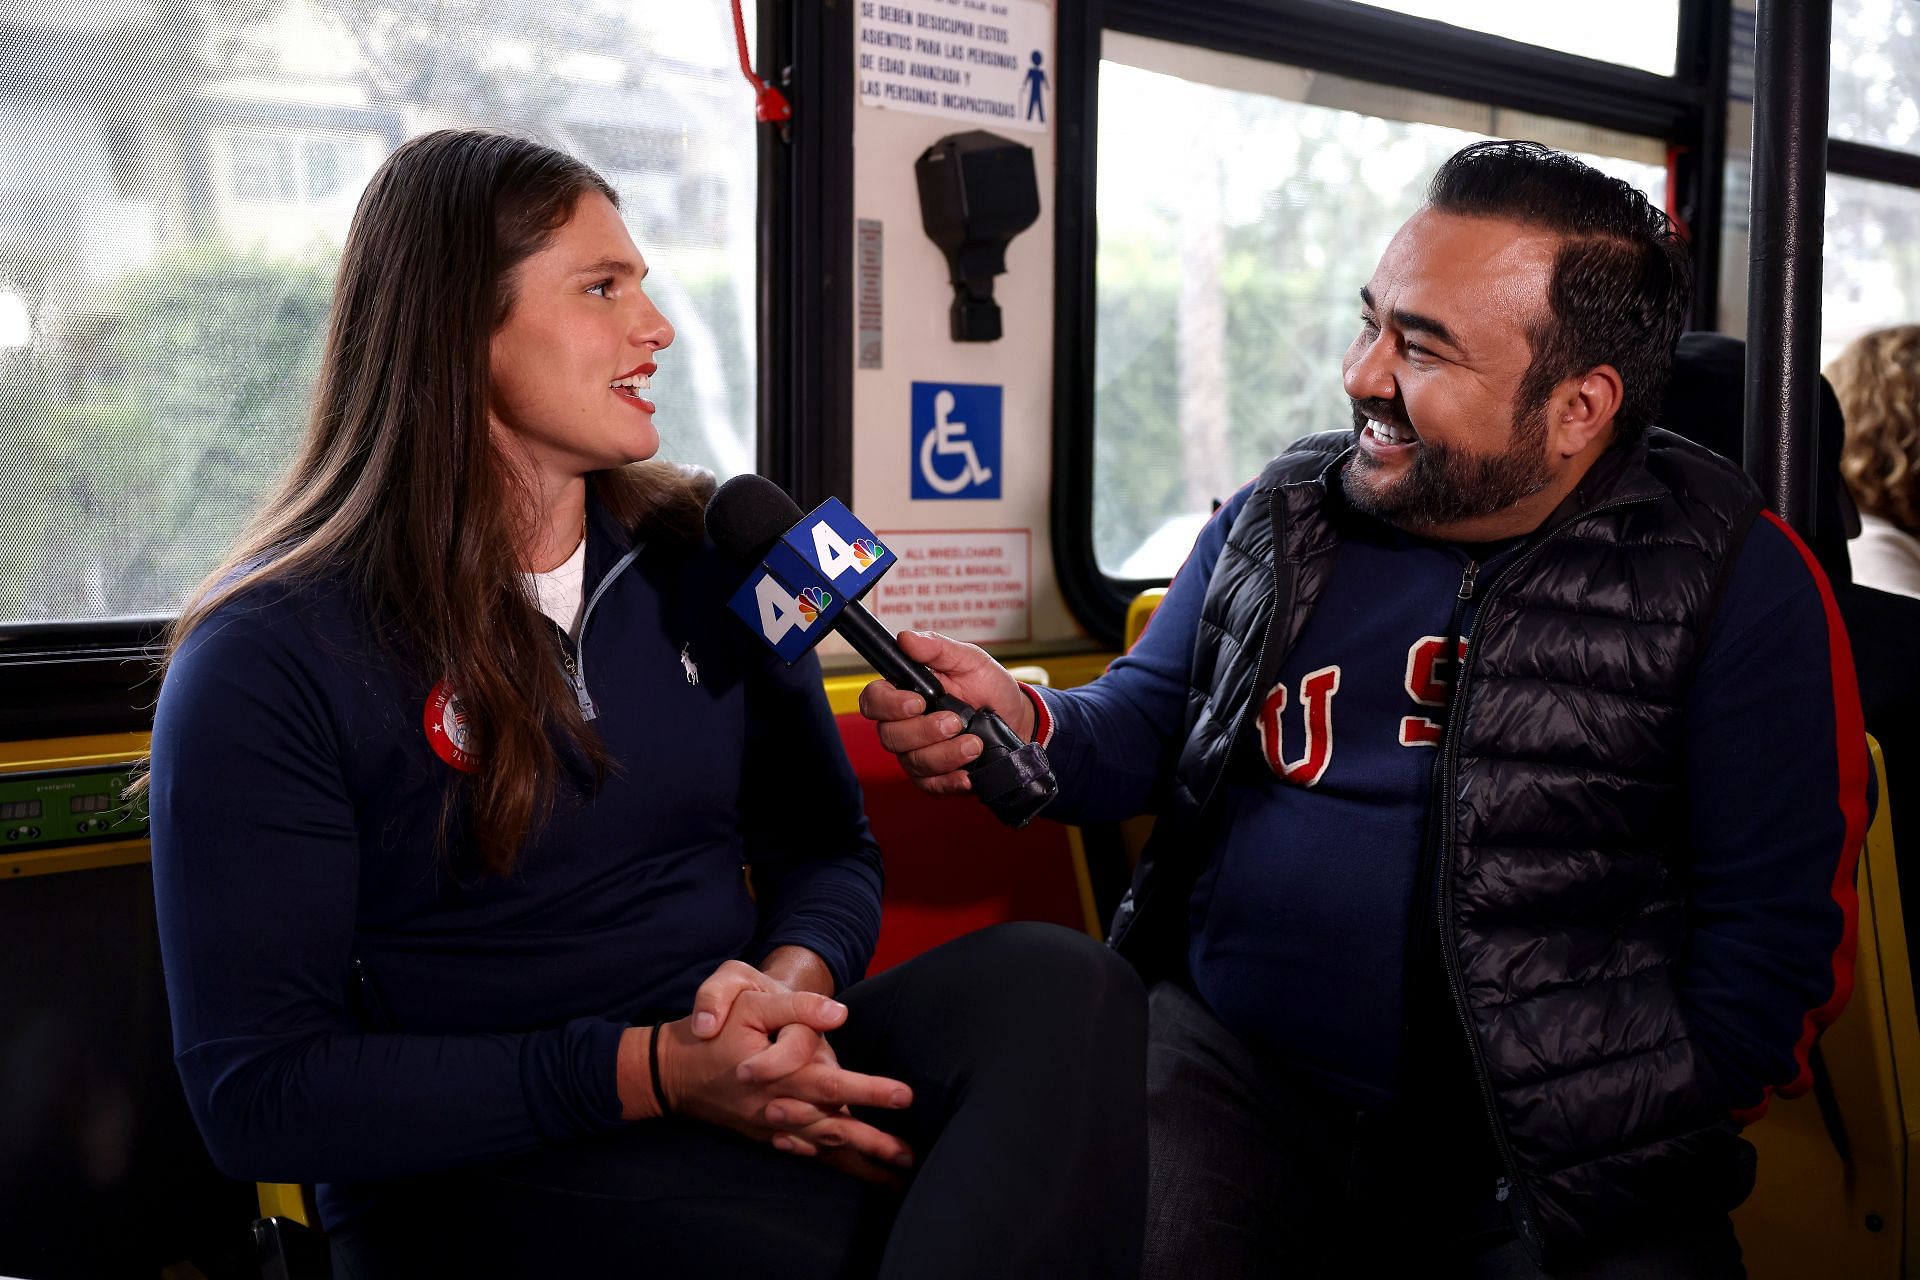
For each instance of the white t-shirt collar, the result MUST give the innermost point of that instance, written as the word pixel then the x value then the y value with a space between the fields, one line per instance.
pixel 558 591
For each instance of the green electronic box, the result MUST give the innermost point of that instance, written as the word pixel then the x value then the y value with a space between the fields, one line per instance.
pixel 46 808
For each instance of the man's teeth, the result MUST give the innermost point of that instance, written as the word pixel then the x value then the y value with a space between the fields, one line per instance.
pixel 1389 434
pixel 638 382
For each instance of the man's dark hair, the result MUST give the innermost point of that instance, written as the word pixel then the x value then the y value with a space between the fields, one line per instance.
pixel 1621 283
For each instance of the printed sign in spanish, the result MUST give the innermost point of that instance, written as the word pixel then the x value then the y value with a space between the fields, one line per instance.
pixel 971 584
pixel 988 62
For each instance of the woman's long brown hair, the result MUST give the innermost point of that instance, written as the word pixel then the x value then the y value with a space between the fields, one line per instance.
pixel 1877 379
pixel 398 490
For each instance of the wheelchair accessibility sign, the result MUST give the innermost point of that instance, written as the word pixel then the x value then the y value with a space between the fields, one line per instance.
pixel 956 440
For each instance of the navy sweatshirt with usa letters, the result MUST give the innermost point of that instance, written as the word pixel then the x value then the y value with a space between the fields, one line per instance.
pixel 1304 925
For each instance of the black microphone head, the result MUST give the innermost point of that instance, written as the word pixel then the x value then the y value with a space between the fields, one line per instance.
pixel 747 515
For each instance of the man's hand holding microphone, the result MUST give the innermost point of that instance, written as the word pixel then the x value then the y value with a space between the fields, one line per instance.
pixel 933 746
pixel 827 559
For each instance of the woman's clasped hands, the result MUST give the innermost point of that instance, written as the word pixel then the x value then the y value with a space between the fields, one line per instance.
pixel 753 1057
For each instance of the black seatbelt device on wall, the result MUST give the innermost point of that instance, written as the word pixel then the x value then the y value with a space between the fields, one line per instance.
pixel 977 192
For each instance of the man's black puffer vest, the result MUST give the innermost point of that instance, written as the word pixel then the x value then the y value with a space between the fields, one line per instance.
pixel 1557 892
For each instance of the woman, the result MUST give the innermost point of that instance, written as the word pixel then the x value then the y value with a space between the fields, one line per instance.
pixel 1877 378
pixel 456 769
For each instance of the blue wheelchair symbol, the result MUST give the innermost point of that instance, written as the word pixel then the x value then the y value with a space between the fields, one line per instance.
pixel 956 440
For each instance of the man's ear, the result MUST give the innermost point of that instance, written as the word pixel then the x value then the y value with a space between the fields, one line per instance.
pixel 1582 410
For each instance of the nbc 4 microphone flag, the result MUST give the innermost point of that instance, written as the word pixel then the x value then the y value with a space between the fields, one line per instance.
pixel 816 568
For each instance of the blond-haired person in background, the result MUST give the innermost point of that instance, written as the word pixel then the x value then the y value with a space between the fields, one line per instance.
pixel 1877 378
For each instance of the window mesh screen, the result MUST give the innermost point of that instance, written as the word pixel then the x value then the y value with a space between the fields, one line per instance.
pixel 176 180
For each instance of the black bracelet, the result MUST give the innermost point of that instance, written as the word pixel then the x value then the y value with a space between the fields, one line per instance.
pixel 653 1065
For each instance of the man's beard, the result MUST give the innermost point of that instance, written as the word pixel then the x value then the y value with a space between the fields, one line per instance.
pixel 1445 485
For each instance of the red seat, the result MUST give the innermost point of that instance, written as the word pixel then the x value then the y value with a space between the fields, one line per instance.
pixel 951 866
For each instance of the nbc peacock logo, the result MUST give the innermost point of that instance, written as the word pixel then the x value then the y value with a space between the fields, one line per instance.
pixel 865 552
pixel 812 602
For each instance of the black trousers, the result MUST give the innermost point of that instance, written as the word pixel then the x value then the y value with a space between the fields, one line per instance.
pixel 1025 1048
pixel 1257 1171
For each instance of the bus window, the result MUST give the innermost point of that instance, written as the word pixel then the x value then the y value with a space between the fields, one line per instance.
pixel 1241 205
pixel 1872 266
pixel 174 191
pixel 1872 260
pixel 1875 96
pixel 1870 274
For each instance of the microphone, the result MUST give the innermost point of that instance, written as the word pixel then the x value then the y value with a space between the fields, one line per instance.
pixel 806 573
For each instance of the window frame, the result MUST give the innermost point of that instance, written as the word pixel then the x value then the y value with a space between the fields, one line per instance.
pixel 1849 159
pixel 806 252
pixel 61 679
pixel 1687 110
pixel 67 679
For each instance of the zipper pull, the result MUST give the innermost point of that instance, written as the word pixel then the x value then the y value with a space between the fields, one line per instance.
pixel 587 709
pixel 1501 1190
pixel 1466 582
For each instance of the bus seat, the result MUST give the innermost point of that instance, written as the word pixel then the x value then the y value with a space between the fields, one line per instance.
pixel 1139 613
pixel 290 1250
pixel 1880 626
pixel 290 1200
pixel 287 1239
pixel 1832 1195
pixel 952 867
pixel 102 1171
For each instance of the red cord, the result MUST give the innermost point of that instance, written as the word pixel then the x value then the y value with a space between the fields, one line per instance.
pixel 770 105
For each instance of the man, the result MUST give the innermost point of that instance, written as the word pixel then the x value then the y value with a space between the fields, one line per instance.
pixel 1510 778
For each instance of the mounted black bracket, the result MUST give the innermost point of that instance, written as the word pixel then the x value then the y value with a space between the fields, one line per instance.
pixel 977 192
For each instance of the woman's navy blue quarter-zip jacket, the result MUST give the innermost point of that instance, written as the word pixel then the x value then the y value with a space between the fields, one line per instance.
pixel 354 1000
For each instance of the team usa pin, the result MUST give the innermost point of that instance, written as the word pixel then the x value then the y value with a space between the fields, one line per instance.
pixel 447 730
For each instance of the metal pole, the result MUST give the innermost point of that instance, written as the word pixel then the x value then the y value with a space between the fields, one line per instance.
pixel 1785 229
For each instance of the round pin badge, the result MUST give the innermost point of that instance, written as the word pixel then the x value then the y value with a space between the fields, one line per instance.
pixel 447 730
